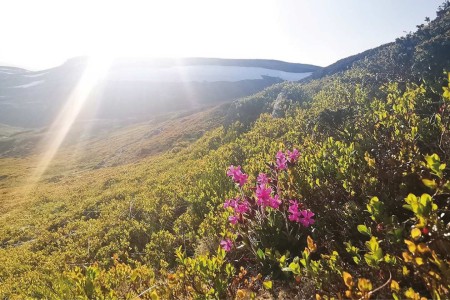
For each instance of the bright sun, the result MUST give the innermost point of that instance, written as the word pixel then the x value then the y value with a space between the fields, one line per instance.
pixel 95 70
pixel 141 29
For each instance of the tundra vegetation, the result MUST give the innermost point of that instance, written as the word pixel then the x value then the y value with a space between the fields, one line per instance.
pixel 344 193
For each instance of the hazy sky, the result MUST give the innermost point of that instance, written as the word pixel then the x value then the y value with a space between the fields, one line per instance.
pixel 42 34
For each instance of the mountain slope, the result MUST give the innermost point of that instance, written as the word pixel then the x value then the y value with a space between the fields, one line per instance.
pixel 422 56
pixel 113 231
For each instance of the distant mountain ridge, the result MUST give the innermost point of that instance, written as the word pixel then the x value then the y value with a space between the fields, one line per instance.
pixel 255 63
pixel 137 88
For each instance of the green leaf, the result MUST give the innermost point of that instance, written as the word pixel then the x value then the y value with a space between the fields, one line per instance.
pixel 398 233
pixel 230 270
pixel 390 259
pixel 430 183
pixel 378 254
pixel 372 245
pixel 425 204
pixel 411 198
pixel 434 164
pixel 370 260
pixel 447 186
pixel 294 268
pixel 364 230
pixel 261 254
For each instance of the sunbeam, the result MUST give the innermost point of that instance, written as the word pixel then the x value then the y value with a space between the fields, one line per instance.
pixel 95 70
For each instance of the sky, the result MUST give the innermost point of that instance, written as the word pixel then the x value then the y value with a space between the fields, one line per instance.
pixel 43 34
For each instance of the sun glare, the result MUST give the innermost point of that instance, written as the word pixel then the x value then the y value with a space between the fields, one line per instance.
pixel 95 70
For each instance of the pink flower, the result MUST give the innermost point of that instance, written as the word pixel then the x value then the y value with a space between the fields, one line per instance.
pixel 281 161
pixel 233 220
pixel 232 170
pixel 294 214
pixel 237 175
pixel 242 207
pixel 306 218
pixel 274 202
pixel 226 244
pixel 262 179
pixel 243 179
pixel 230 203
pixel 293 156
pixel 263 195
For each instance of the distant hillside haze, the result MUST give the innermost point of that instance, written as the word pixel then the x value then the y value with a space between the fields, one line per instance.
pixel 137 88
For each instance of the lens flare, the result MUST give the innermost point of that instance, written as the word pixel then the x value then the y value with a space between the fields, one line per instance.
pixel 95 70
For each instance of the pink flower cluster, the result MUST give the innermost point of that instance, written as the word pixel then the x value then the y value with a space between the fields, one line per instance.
pixel 236 174
pixel 264 197
pixel 304 217
pixel 282 159
pixel 239 207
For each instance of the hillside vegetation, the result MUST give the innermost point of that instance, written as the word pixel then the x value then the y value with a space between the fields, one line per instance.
pixel 335 187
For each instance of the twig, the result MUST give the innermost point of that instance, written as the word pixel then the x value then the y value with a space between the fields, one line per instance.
pixel 144 292
pixel 380 287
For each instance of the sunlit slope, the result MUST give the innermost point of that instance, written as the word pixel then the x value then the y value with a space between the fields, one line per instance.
pixel 355 142
pixel 113 137
pixel 88 148
pixel 69 203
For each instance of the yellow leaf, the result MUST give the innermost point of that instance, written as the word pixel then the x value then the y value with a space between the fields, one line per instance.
pixel 348 293
pixel 435 275
pixel 411 294
pixel 348 280
pixel 395 286
pixel 419 261
pixel 318 297
pixel 240 294
pixel 267 284
pixel 415 233
pixel 429 183
pixel 154 296
pixel 405 271
pixel 311 245
pixel 370 161
pixel 364 285
pixel 422 248
pixel 411 246
pixel 422 222
pixel 406 257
